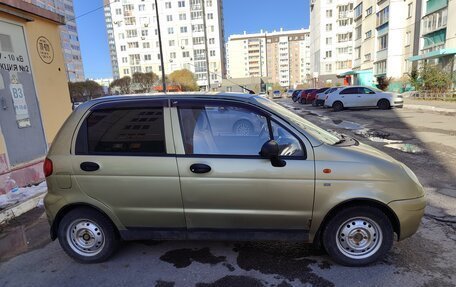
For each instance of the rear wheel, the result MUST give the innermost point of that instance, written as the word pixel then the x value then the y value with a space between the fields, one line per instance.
pixel 338 106
pixel 87 236
pixel 383 104
pixel 358 236
pixel 302 101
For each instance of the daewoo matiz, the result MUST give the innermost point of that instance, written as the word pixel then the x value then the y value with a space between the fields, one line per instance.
pixel 181 167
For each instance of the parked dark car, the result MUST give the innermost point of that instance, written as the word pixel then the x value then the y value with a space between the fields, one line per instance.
pixel 320 97
pixel 303 96
pixel 311 96
pixel 295 95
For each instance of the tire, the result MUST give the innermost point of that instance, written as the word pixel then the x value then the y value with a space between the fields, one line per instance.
pixel 337 106
pixel 383 104
pixel 314 103
pixel 243 128
pixel 358 236
pixel 302 101
pixel 102 237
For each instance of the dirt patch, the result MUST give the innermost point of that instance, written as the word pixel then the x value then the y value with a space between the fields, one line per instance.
pixel 287 260
pixel 181 258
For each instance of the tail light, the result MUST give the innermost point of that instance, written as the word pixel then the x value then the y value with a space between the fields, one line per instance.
pixel 47 167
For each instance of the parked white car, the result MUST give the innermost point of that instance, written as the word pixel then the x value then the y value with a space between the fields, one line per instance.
pixel 359 96
pixel 320 97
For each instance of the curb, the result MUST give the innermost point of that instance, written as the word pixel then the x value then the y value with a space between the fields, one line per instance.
pixel 429 108
pixel 21 208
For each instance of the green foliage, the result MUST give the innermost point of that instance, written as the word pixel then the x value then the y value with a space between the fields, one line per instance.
pixel 383 83
pixel 121 85
pixel 434 79
pixel 84 91
pixel 185 78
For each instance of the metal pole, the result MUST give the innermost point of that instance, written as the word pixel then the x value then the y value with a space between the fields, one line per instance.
pixel 205 43
pixel 161 49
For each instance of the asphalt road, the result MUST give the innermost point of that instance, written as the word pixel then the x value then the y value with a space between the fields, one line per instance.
pixel 425 141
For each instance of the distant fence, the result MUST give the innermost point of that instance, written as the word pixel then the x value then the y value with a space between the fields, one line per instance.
pixel 426 95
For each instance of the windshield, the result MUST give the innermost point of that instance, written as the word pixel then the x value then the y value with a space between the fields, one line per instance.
pixel 313 130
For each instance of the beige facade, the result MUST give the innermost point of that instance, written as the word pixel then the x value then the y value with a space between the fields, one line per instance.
pixel 34 92
pixel 282 56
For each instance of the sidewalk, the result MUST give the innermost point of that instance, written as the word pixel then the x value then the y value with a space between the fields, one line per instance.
pixel 435 106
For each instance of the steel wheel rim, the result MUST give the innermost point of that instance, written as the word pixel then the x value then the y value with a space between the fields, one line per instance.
pixel 359 237
pixel 85 237
pixel 243 129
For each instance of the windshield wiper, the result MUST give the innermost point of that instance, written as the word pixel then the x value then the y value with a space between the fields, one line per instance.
pixel 341 140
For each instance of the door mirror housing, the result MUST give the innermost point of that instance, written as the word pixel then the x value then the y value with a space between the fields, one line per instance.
pixel 270 150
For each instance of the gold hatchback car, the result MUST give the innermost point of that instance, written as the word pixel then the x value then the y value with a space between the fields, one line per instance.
pixel 225 167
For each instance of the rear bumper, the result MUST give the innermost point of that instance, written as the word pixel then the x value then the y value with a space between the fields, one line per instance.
pixel 409 212
pixel 319 102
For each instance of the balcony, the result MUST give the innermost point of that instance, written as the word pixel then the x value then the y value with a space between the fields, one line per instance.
pixel 434 22
pixel 382 54
pixel 356 63
pixel 345 15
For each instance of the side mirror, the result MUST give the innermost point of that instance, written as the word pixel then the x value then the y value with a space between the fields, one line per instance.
pixel 270 150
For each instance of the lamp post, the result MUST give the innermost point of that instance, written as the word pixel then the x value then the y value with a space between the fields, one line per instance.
pixel 161 48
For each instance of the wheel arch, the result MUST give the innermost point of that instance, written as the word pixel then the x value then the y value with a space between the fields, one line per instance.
pixel 67 208
pixel 358 202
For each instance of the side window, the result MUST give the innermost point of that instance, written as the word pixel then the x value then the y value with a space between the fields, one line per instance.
pixel 349 91
pixel 289 145
pixel 132 131
pixel 222 129
pixel 367 91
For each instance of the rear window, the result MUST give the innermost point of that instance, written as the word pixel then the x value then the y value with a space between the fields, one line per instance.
pixel 128 131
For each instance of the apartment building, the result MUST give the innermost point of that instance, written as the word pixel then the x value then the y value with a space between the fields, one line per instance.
pixel 282 56
pixel 68 35
pixel 133 37
pixel 331 39
pixel 437 44
pixel 386 34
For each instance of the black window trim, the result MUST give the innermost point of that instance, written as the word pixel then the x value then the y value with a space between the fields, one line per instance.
pixel 197 103
pixel 82 139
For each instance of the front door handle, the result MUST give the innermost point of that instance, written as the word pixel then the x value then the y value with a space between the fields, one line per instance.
pixel 89 166
pixel 200 168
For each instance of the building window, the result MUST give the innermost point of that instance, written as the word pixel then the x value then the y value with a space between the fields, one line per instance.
pixel 328 68
pixel 169 18
pixel 118 11
pixel 181 4
pixel 211 40
pixel 383 42
pixel 358 32
pixel 368 34
pixel 168 5
pixel 329 41
pixel 132 33
pixel 144 33
pixel 185 54
pixel 126 71
pixel 210 16
pixel 358 11
pixel 380 67
pixel 328 54
pixel 182 16
pixel 146 45
pixel 130 21
pixel 367 57
pixel 409 10
pixel 124 60
pixel 132 45
pixel 171 43
pixel 172 55
pixel 383 16
pixel 329 13
pixel 212 53
pixel 357 53
pixel 183 29
pixel 147 57
pixel 328 27
pixel 344 37
pixel 369 11
pixel 170 30
pixel 141 7
pixel 123 48
pixel 408 36
pixel 341 65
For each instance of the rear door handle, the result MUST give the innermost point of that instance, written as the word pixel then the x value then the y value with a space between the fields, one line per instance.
pixel 89 166
pixel 200 168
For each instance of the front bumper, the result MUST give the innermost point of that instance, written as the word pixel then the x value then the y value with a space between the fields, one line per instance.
pixel 409 212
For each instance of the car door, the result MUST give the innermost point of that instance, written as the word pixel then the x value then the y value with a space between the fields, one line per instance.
pixel 349 97
pixel 369 98
pixel 124 158
pixel 225 184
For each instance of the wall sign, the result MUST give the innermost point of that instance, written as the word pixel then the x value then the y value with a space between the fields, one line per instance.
pixel 45 50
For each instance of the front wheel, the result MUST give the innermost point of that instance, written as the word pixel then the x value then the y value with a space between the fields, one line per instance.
pixel 87 235
pixel 338 106
pixel 358 236
pixel 383 104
